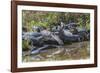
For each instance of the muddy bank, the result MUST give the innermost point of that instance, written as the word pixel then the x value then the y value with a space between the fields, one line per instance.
pixel 74 51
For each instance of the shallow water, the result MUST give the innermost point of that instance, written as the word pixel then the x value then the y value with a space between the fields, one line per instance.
pixel 74 51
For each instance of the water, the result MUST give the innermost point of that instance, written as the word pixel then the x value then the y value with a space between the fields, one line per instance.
pixel 74 51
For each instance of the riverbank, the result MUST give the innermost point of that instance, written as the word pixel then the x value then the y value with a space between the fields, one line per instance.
pixel 74 51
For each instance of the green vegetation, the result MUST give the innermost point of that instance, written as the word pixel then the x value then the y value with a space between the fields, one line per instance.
pixel 50 19
pixel 25 45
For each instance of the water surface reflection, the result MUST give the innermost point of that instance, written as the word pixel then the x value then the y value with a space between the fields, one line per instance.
pixel 75 51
